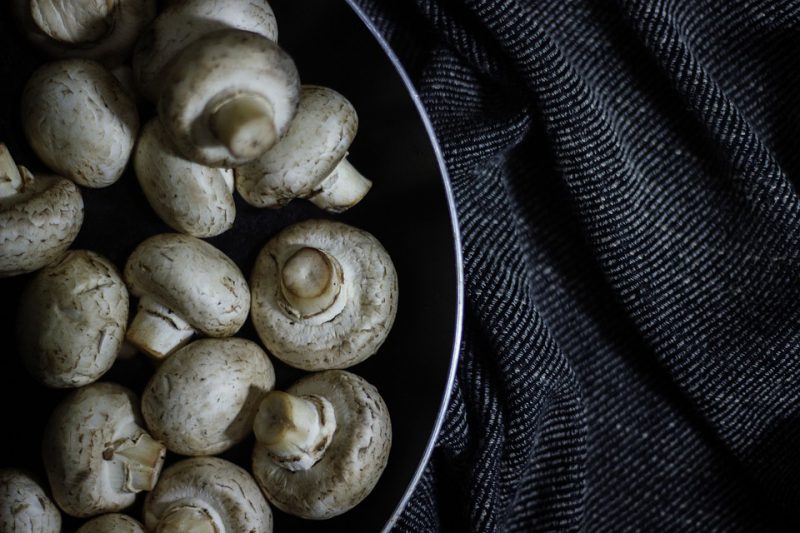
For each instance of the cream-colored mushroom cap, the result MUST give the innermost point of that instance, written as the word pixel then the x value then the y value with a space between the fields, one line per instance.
pixel 191 198
pixel 184 286
pixel 112 523
pixel 72 320
pixel 324 295
pixel 105 30
pixel 24 506
pixel 309 161
pixel 228 97
pixel 182 23
pixel 39 217
pixel 352 460
pixel 207 495
pixel 202 399
pixel 96 454
pixel 80 121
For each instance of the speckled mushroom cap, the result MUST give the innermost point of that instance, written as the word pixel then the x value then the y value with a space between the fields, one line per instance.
pixel 104 30
pixel 80 121
pixel 182 23
pixel 72 320
pixel 39 222
pixel 24 506
pixel 317 140
pixel 112 523
pixel 353 462
pixel 215 70
pixel 191 198
pixel 203 398
pixel 207 491
pixel 96 454
pixel 366 305
pixel 192 282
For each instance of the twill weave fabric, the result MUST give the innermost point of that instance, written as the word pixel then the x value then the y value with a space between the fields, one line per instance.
pixel 626 176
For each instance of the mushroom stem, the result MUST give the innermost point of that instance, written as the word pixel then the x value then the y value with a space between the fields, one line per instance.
pixel 295 430
pixel 312 286
pixel 342 189
pixel 10 178
pixel 141 459
pixel 245 125
pixel 157 330
pixel 190 515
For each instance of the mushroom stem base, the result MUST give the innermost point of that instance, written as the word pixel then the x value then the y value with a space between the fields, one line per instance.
pixel 245 125
pixel 141 459
pixel 342 189
pixel 157 330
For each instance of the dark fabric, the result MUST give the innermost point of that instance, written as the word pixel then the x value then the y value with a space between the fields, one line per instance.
pixel 625 174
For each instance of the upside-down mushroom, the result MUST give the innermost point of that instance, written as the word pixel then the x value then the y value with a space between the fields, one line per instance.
pixel 324 295
pixel 322 445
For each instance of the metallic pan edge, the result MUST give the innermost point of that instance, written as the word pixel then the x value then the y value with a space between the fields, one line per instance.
pixel 458 258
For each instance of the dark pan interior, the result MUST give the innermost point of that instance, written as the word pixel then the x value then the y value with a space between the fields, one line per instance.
pixel 407 210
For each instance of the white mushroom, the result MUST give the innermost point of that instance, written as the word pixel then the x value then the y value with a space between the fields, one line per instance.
pixel 191 198
pixel 206 495
pixel 96 454
pixel 112 523
pixel 203 398
pixel 105 30
pixel 228 97
pixel 72 320
pixel 24 507
pixel 80 121
pixel 182 23
pixel 39 217
pixel 309 161
pixel 324 295
pixel 184 285
pixel 322 447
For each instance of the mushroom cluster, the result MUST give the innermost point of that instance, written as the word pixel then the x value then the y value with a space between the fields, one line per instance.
pixel 223 112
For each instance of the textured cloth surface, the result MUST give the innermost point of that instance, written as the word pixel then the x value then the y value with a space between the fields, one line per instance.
pixel 625 175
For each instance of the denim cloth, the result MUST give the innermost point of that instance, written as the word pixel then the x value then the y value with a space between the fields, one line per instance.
pixel 625 175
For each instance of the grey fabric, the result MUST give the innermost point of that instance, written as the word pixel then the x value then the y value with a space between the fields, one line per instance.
pixel 625 174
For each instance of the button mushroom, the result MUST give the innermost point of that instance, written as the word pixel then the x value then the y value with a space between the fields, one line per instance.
pixel 309 161
pixel 202 399
pixel 80 121
pixel 24 507
pixel 184 285
pixel 322 447
pixel 324 295
pixel 72 320
pixel 112 523
pixel 96 454
pixel 105 30
pixel 182 23
pixel 228 97
pixel 191 198
pixel 39 217
pixel 206 495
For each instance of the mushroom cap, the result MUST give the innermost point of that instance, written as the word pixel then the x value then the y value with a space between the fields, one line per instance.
pixel 223 486
pixel 193 279
pixel 217 67
pixel 317 140
pixel 369 311
pixel 352 464
pixel 24 506
pixel 203 398
pixel 38 225
pixel 191 198
pixel 103 30
pixel 76 441
pixel 80 121
pixel 72 320
pixel 112 523
pixel 182 23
